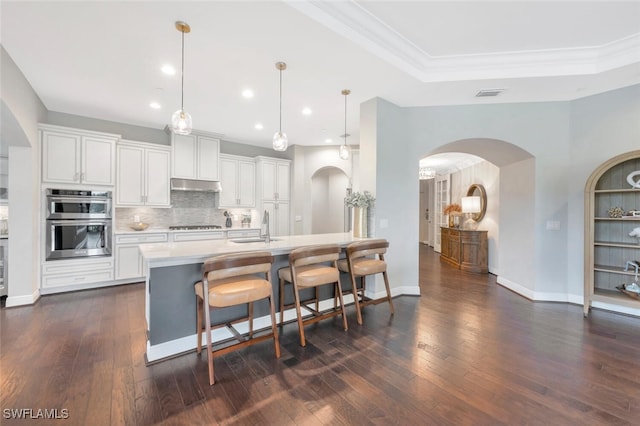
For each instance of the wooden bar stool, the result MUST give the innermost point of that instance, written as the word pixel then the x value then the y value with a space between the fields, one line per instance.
pixel 359 263
pixel 308 268
pixel 229 280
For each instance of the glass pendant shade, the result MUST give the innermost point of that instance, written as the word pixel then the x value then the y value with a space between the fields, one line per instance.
pixel 181 122
pixel 344 152
pixel 280 141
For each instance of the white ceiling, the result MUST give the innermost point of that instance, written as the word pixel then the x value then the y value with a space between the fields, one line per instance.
pixel 102 59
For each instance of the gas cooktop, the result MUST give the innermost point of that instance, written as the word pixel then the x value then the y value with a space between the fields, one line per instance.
pixel 193 227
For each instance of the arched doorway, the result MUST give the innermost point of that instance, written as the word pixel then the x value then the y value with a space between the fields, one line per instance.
pixel 328 189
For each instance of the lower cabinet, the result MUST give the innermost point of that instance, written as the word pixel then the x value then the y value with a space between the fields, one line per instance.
pixel 243 233
pixel 128 259
pixel 465 249
pixel 67 275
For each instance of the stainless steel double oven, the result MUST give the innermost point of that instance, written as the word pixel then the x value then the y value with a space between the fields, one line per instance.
pixel 78 223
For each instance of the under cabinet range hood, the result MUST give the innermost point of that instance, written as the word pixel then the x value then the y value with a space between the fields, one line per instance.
pixel 195 185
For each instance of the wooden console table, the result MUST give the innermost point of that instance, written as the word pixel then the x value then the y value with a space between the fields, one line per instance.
pixel 465 249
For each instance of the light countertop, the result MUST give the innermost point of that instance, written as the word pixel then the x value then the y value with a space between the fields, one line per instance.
pixel 182 253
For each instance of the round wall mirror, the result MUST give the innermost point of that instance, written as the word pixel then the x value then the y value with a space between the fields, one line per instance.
pixel 477 190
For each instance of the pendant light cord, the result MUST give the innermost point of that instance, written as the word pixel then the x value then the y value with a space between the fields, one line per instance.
pixel 182 83
pixel 280 100
pixel 345 120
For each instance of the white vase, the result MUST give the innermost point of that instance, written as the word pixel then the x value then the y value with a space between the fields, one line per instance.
pixel 360 222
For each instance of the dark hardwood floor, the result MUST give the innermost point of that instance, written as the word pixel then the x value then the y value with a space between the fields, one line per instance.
pixel 466 352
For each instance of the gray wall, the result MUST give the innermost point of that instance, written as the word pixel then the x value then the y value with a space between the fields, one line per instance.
pixel 566 141
pixel 22 109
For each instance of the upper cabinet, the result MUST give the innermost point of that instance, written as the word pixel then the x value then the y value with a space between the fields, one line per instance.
pixel 274 178
pixel 238 179
pixel 612 234
pixel 77 156
pixel 195 157
pixel 143 174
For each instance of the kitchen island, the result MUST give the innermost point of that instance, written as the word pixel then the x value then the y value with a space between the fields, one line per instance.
pixel 173 268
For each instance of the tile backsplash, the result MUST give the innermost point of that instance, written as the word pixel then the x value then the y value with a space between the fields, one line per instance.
pixel 187 208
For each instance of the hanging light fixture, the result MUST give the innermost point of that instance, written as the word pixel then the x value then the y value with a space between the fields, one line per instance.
pixel 280 141
pixel 344 149
pixel 181 122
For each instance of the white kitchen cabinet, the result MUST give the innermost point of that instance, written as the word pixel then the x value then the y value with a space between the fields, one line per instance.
pixel 76 274
pixel 77 156
pixel 274 177
pixel 273 192
pixel 143 174
pixel 195 157
pixel 279 217
pixel 238 179
pixel 129 263
pixel 197 236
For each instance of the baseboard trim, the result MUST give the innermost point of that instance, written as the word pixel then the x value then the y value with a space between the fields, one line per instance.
pixel 29 299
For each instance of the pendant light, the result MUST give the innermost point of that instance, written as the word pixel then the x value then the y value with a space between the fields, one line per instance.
pixel 181 122
pixel 344 149
pixel 280 141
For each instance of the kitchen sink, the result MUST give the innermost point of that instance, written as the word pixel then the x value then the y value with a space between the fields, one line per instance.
pixel 252 240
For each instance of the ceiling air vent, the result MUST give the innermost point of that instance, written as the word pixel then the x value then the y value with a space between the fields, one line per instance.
pixel 488 92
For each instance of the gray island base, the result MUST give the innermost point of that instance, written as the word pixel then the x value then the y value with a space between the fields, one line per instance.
pixel 173 268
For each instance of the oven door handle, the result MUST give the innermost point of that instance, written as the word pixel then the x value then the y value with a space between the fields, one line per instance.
pixel 82 200
pixel 81 222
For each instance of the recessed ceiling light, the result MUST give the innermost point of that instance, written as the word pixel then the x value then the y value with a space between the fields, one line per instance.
pixel 306 111
pixel 328 140
pixel 168 69
pixel 155 105
pixel 259 126
pixel 247 93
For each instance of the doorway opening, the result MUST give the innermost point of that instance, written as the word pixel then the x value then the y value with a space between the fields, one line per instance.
pixel 328 190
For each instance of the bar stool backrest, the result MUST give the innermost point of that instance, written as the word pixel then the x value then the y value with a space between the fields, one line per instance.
pixel 314 254
pixel 366 248
pixel 236 264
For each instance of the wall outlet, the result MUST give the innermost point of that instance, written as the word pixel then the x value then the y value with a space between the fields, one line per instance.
pixel 553 225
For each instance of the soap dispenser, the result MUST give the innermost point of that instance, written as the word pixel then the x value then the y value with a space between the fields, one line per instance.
pixel 228 222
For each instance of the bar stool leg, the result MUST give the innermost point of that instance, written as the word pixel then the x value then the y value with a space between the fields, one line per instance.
pixel 250 319
pixel 274 328
pixel 354 290
pixel 199 308
pixel 386 284
pixel 299 314
pixel 281 301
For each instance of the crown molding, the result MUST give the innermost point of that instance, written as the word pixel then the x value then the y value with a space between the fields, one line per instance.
pixel 350 20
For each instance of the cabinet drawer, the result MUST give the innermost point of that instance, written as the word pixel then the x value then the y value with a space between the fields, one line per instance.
pixel 67 267
pixel 141 239
pixel 198 236
pixel 59 280
pixel 243 233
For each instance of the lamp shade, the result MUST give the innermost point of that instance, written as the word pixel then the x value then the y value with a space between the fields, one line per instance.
pixel 471 204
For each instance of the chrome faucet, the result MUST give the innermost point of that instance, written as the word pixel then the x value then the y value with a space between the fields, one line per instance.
pixel 265 221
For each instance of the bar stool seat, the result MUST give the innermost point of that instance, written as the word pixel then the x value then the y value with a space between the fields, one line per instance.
pixel 308 268
pixel 230 280
pixel 366 258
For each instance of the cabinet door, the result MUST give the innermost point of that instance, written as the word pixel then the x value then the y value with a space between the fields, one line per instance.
pixel 157 179
pixel 129 190
pixel 128 262
pixel 282 218
pixel 184 156
pixel 268 180
pixel 97 167
pixel 208 158
pixel 283 180
pixel 270 207
pixel 60 157
pixel 229 179
pixel 246 183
